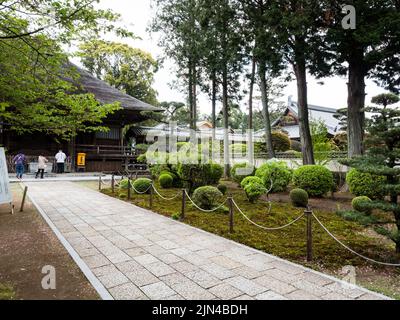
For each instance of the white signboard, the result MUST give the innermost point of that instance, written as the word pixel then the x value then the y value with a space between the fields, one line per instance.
pixel 5 192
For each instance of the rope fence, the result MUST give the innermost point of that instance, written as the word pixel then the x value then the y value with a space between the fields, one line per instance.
pixel 351 250
pixel 308 213
pixel 262 227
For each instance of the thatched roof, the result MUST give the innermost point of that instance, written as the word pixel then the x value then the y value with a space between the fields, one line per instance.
pixel 106 94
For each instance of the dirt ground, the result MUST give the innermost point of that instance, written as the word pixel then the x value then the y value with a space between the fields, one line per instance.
pixel 27 244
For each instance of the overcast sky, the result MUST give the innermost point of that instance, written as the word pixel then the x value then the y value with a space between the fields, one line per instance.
pixel 136 14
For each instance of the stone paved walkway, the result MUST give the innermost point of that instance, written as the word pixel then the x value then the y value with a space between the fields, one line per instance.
pixel 132 253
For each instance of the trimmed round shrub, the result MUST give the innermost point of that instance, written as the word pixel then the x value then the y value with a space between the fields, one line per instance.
pixel 123 184
pixel 157 169
pixel 254 191
pixel 207 197
pixel 278 172
pixel 314 179
pixel 213 172
pixel 241 170
pixel 299 198
pixel 166 180
pixel 223 188
pixel 142 185
pixel 366 184
pixel 248 180
pixel 360 204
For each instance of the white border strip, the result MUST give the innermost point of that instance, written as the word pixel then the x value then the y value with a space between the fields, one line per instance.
pixel 98 286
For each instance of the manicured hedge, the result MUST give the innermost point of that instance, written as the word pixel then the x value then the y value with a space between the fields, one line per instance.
pixel 315 180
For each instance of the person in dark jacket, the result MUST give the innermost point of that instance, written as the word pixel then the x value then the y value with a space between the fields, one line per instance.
pixel 19 161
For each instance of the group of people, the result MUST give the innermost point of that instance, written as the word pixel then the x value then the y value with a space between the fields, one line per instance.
pixel 20 159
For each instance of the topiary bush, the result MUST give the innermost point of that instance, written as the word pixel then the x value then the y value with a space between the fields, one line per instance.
pixel 241 170
pixel 252 179
pixel 223 188
pixel 213 172
pixel 142 185
pixel 360 204
pixel 278 172
pixel 366 184
pixel 123 184
pixel 207 197
pixel 198 175
pixel 254 191
pixel 299 198
pixel 315 180
pixel 166 180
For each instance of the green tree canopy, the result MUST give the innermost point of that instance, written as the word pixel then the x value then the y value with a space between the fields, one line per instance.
pixel 128 69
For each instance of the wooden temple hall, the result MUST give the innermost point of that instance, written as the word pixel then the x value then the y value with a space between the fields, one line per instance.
pixel 105 151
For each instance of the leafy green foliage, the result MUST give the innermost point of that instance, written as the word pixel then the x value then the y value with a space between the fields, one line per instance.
pixel 198 175
pixel 358 216
pixel 314 179
pixel 254 191
pixel 142 185
pixel 249 180
pixel 223 188
pixel 376 174
pixel 207 197
pixel 299 198
pixel 366 184
pixel 240 171
pixel 128 69
pixel 359 204
pixel 166 180
pixel 276 172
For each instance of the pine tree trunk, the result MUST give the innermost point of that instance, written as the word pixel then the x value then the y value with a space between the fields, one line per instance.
pixel 227 166
pixel 194 88
pixel 304 123
pixel 267 121
pixel 190 83
pixel 250 125
pixel 214 105
pixel 356 104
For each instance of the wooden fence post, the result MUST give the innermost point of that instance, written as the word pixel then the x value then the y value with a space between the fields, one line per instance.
pixel 129 188
pixel 231 214
pixel 183 205
pixel 151 197
pixel 23 200
pixel 99 183
pixel 308 214
pixel 113 184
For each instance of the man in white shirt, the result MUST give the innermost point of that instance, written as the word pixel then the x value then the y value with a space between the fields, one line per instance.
pixel 60 158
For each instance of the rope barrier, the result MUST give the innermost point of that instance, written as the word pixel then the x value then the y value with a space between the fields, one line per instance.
pixel 262 227
pixel 351 250
pixel 208 211
pixel 165 198
pixel 138 192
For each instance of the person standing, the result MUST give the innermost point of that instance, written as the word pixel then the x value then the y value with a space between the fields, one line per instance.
pixel 19 161
pixel 60 158
pixel 42 161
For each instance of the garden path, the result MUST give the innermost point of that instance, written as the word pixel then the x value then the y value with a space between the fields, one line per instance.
pixel 128 252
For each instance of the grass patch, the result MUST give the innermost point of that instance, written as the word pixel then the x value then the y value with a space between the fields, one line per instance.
pixel 289 243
